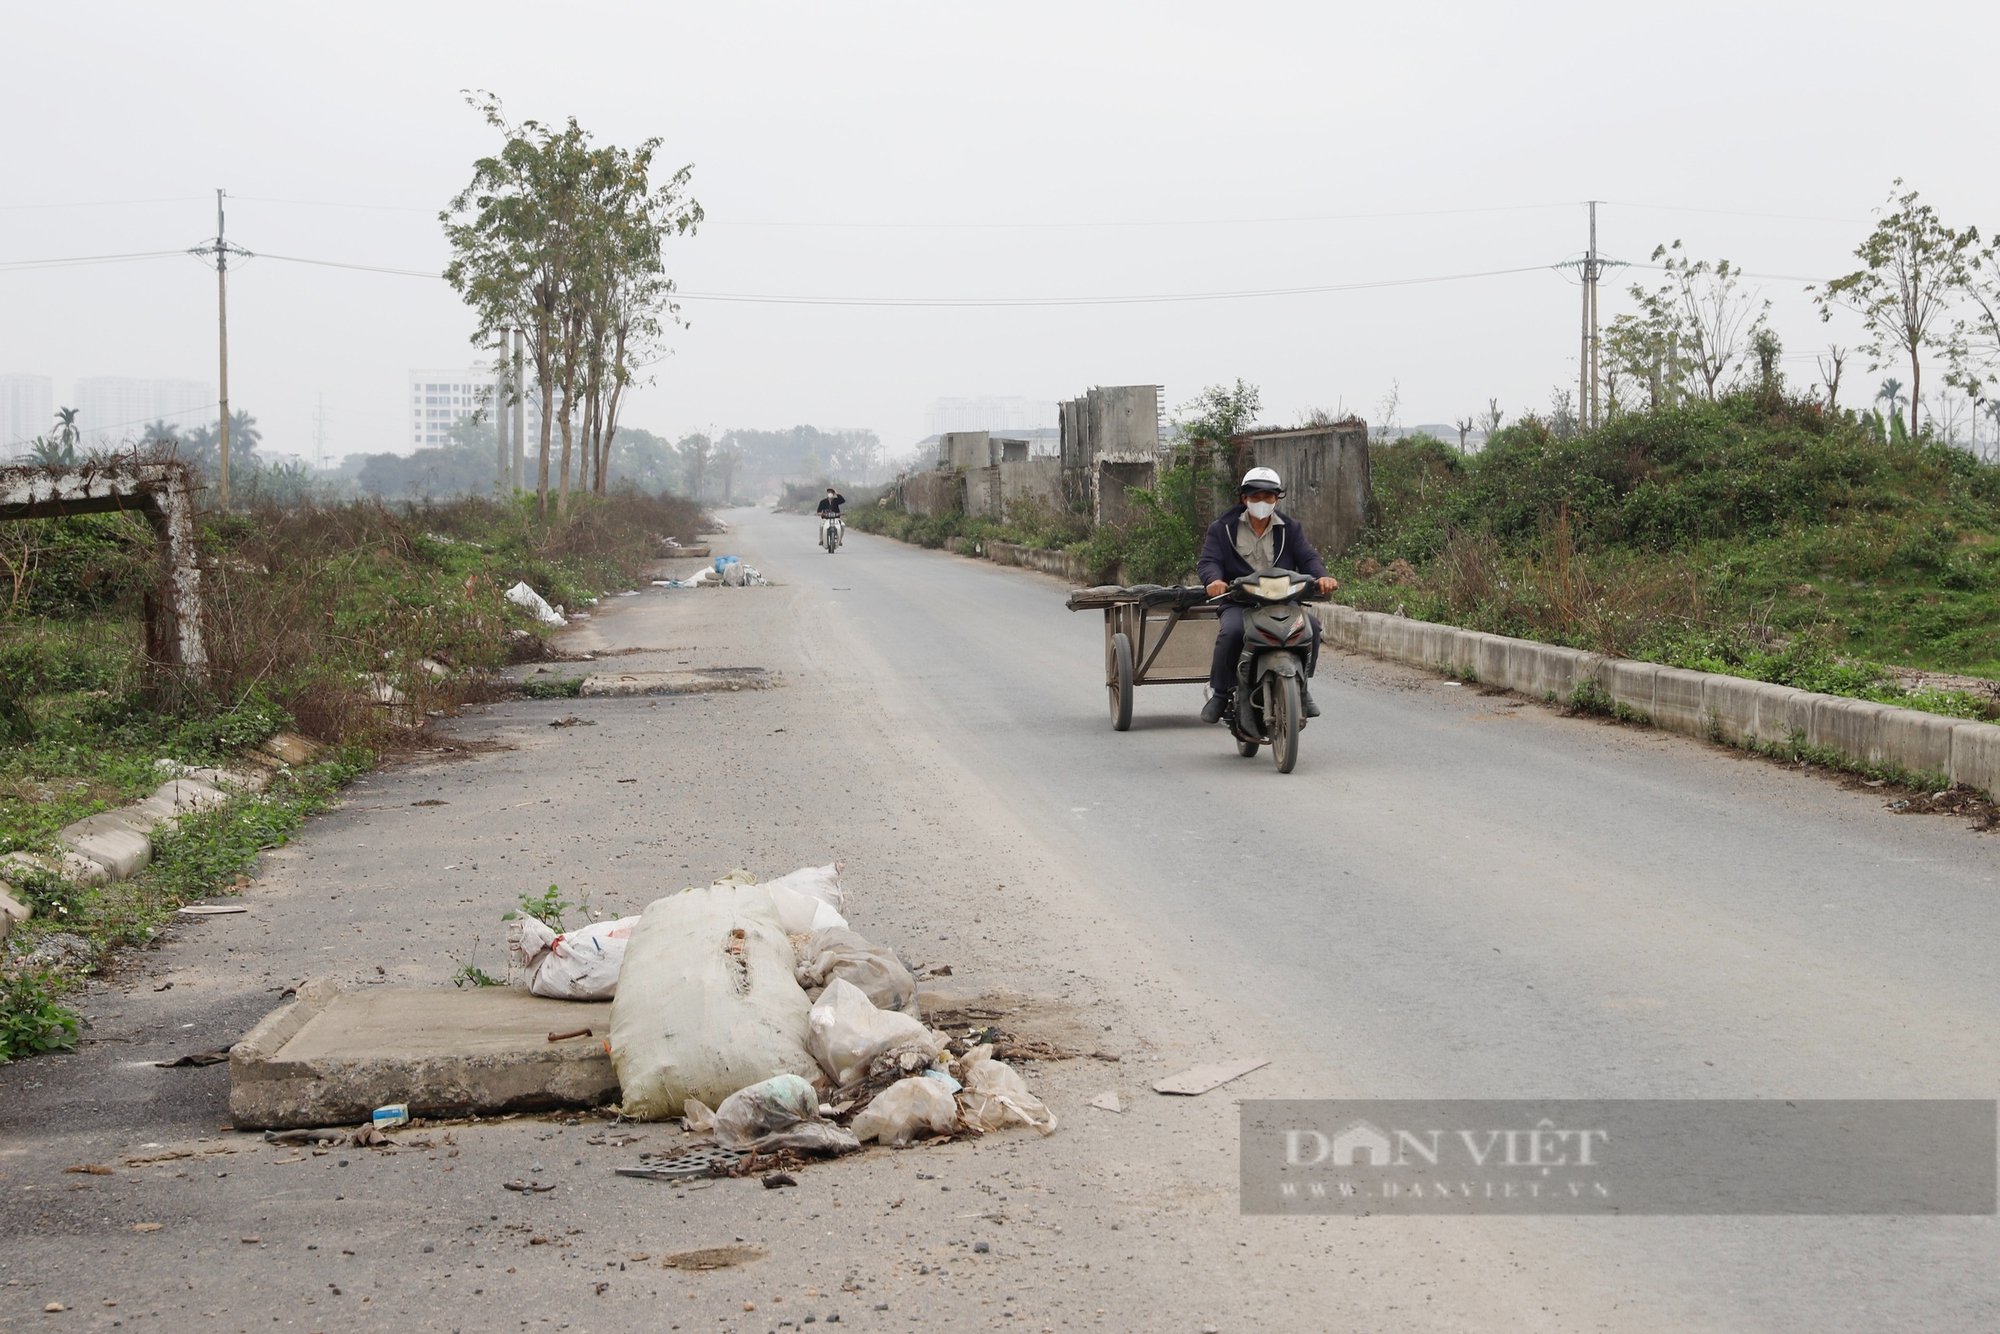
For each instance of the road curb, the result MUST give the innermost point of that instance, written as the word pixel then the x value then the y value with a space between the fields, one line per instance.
pixel 1705 704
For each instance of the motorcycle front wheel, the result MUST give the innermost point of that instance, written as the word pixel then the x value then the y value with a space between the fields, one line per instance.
pixel 1281 716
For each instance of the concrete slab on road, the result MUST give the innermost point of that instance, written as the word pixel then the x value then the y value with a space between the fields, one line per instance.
pixel 698 681
pixel 332 1056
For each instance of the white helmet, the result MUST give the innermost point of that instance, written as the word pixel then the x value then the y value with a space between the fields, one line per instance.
pixel 1260 479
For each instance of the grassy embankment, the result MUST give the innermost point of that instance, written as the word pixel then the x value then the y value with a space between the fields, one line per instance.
pixel 305 612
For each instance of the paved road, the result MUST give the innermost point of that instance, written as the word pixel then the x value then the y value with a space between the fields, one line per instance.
pixel 1459 895
pixel 1456 895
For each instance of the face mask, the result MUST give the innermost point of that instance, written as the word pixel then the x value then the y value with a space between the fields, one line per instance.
pixel 1261 509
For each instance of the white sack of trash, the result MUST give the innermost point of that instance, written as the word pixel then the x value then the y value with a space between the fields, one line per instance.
pixel 571 965
pixel 523 596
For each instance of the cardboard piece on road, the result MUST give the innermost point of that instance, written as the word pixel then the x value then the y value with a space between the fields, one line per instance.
pixel 1109 1102
pixel 331 1057
pixel 1205 1077
pixel 211 909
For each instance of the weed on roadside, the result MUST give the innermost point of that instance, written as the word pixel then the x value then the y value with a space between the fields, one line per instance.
pixel 31 1019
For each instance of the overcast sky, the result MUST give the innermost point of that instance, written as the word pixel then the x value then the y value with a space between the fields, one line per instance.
pixel 924 151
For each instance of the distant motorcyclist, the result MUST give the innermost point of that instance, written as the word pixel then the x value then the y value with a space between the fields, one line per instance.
pixel 830 503
pixel 1253 536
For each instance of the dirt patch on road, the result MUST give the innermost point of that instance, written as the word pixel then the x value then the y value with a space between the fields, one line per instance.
pixel 1021 1028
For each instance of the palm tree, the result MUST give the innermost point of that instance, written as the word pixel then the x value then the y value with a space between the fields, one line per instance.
pixel 1891 392
pixel 161 433
pixel 66 432
pixel 199 447
pixel 244 437
pixel 52 453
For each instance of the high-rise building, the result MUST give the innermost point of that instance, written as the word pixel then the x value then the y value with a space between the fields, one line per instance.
pixel 27 409
pixel 114 409
pixel 441 399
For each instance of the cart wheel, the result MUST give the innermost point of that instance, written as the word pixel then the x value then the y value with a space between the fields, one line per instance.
pixel 1121 688
pixel 1283 718
pixel 1247 749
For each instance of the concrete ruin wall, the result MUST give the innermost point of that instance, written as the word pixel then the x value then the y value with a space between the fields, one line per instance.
pixel 998 492
pixel 929 494
pixel 1120 424
pixel 164 493
pixel 1327 482
pixel 967 449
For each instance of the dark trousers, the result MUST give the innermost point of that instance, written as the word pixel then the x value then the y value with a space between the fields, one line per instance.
pixel 1229 647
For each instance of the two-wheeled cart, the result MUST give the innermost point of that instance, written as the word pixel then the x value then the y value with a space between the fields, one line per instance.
pixel 1152 636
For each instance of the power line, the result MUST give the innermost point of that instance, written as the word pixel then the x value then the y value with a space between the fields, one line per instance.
pixel 106 203
pixel 63 261
pixel 119 426
pixel 333 203
pixel 1739 213
pixel 765 298
pixel 1011 224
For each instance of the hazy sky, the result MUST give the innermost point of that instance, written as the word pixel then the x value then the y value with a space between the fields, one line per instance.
pixel 928 151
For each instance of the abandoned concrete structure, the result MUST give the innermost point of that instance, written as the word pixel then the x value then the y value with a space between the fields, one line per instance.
pixel 1112 441
pixel 164 493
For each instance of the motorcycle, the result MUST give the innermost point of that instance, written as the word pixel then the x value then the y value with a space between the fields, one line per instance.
pixel 831 529
pixel 1277 638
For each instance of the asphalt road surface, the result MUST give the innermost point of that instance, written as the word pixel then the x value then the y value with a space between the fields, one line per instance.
pixel 1456 895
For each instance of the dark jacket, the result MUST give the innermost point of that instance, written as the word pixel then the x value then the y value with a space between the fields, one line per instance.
pixel 1292 551
pixel 831 504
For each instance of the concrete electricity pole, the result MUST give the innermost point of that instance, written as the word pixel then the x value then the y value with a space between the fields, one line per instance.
pixel 222 250
pixel 319 435
pixel 1591 267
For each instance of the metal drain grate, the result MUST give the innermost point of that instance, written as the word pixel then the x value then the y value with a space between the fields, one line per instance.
pixel 700 1161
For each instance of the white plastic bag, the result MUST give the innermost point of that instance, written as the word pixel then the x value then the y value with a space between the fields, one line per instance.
pixel 847 1034
pixel 780 1113
pixel 822 882
pixel 706 1002
pixel 995 1095
pixel 523 596
pixel 572 965
pixel 847 955
pixel 751 1113
pixel 906 1109
pixel 800 913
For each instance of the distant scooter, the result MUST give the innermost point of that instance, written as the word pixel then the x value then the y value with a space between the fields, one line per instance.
pixel 831 529
pixel 1267 708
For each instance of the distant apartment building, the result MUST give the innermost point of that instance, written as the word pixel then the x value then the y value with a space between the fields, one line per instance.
pixel 441 399
pixel 992 414
pixel 112 409
pixel 27 409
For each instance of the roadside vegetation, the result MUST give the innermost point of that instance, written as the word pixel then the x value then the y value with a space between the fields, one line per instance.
pixel 1757 535
pixel 311 617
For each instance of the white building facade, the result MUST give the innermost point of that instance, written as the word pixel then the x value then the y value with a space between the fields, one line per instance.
pixel 27 410
pixel 114 409
pixel 441 399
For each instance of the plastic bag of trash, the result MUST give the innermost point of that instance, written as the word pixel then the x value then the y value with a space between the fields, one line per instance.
pixel 523 596
pixel 753 1112
pixel 995 1095
pixel 906 1109
pixel 822 882
pixel 847 955
pixel 571 965
pixel 847 1034
pixel 802 913
pixel 707 1003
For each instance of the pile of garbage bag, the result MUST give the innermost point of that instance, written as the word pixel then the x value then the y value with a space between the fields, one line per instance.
pixel 757 1013
pixel 727 572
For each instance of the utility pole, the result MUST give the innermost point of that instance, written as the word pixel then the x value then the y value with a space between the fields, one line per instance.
pixel 222 250
pixel 1591 267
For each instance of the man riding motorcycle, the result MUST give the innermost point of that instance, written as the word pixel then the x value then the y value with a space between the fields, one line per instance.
pixel 1252 536
pixel 830 503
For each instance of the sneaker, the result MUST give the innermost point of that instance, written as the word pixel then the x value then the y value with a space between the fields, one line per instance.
pixel 1213 709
